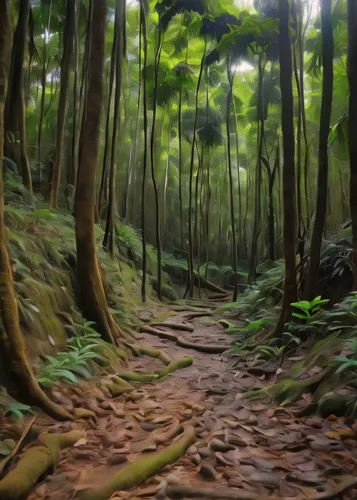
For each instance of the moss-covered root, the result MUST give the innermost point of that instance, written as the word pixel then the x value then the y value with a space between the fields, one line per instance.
pixel 152 353
pixel 209 348
pixel 176 365
pixel 159 333
pixel 137 472
pixel 34 463
pixel 144 378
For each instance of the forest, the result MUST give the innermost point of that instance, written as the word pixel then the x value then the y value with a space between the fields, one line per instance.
pixel 178 249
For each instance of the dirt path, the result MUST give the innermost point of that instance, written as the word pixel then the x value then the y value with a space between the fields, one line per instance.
pixel 251 448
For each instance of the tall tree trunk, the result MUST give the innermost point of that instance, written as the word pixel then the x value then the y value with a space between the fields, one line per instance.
pixel 94 302
pixel 190 283
pixel 143 188
pixel 258 175
pixel 352 123
pixel 19 377
pixel 68 39
pixel 103 195
pixel 72 169
pixel 230 75
pixel 15 114
pixel 108 241
pixel 160 43
pixel 287 120
pixel 325 116
pixel 43 82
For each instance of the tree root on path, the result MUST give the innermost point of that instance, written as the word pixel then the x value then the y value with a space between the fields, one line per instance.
pixel 184 327
pixel 34 463
pixel 209 348
pixel 137 472
pixel 180 341
pixel 156 438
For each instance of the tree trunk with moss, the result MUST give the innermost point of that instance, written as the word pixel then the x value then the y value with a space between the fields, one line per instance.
pixel 352 123
pixel 15 120
pixel 20 380
pixel 287 120
pixel 93 297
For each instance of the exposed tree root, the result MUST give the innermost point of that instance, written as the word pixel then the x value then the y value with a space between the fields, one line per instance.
pixel 34 463
pixel 152 353
pixel 159 333
pixel 139 471
pixel 209 348
pixel 194 315
pixel 176 365
pixel 144 378
pixel 184 327
pixel 117 386
pixel 157 438
pixel 179 308
pixel 180 341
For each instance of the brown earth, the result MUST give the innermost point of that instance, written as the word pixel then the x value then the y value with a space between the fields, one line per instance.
pixel 244 449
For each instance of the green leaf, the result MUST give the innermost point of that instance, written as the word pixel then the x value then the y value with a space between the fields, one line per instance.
pixel 303 305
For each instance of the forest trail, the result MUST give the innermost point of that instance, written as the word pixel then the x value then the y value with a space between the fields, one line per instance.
pixel 243 449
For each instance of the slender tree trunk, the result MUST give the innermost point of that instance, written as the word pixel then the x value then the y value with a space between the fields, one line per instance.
pixel 15 113
pixel 94 302
pixel 108 242
pixel 19 377
pixel 68 37
pixel 352 123
pixel 258 175
pixel 230 174
pixel 322 183
pixel 152 162
pixel 43 83
pixel 143 188
pixel 72 169
pixel 166 181
pixel 133 150
pixel 103 195
pixel 287 120
pixel 190 282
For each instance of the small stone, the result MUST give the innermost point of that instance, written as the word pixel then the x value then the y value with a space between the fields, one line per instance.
pixel 196 459
pixel 218 445
pixel 192 450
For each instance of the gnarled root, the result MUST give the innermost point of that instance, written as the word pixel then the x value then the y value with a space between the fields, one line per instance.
pixel 137 472
pixel 152 353
pixel 34 463
pixel 209 348
pixel 184 327
pixel 180 341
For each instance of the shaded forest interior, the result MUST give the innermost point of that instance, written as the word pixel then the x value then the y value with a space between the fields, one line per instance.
pixel 178 249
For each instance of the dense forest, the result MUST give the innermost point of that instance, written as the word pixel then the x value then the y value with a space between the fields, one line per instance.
pixel 178 249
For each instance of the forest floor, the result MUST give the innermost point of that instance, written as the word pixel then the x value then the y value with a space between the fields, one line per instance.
pixel 244 449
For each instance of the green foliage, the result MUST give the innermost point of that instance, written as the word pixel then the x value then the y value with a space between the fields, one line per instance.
pixel 308 309
pixel 18 411
pixel 85 346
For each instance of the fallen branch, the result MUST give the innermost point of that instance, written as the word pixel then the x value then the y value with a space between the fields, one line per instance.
pixel 137 472
pixel 34 463
pixel 7 459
